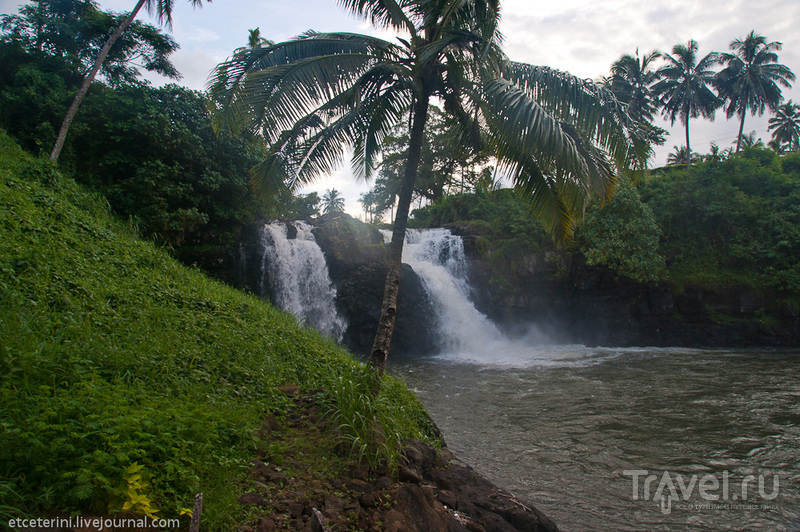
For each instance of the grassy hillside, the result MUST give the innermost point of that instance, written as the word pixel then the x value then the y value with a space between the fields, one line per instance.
pixel 128 380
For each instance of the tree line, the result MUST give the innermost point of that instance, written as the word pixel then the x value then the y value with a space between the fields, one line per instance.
pixel 686 86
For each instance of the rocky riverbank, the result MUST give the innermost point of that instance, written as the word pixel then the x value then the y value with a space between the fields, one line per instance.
pixel 432 491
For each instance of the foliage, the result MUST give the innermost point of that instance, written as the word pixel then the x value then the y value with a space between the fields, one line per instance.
pixel 34 90
pixel 733 221
pixel 154 155
pixel 75 30
pixel 556 135
pixel 684 86
pixel 113 356
pixel 446 166
pixel 332 201
pixel 624 236
pixel 151 151
pixel 679 156
pixel 631 82
pixel 785 127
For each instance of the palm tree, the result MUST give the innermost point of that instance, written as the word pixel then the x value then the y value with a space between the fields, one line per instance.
pixel 631 80
pixel 679 156
pixel 559 138
pixel 332 201
pixel 684 84
pixel 785 126
pixel 163 12
pixel 254 40
pixel 749 82
pixel 714 155
pixel 749 141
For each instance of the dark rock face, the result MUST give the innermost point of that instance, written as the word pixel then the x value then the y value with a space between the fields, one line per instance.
pixel 576 303
pixel 356 257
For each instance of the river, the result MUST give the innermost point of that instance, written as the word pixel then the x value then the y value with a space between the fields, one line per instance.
pixel 589 435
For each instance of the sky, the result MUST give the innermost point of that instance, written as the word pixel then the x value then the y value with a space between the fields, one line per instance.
pixel 583 37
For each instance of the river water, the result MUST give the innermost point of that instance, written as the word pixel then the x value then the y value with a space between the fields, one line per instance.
pixel 609 439
pixel 579 432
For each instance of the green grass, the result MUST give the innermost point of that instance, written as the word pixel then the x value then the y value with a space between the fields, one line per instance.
pixel 112 354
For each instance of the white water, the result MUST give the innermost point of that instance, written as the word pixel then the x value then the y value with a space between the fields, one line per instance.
pixel 298 276
pixel 467 335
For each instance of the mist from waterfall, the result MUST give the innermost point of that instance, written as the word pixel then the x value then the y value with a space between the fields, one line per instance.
pixel 298 277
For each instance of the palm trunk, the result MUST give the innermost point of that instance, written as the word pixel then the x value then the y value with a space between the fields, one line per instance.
pixel 383 337
pixel 87 81
pixel 688 148
pixel 741 130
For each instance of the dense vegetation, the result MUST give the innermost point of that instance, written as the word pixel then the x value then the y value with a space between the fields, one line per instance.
pixel 151 151
pixel 722 222
pixel 130 381
pixel 735 221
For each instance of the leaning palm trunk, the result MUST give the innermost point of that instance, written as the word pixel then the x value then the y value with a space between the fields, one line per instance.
pixel 87 81
pixel 383 336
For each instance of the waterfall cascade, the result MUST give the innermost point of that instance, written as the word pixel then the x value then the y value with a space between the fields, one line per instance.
pixel 466 334
pixel 437 256
pixel 297 274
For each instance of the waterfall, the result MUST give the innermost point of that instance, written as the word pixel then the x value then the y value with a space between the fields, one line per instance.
pixel 437 256
pixel 466 335
pixel 297 274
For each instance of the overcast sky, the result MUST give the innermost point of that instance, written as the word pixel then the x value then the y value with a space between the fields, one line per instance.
pixel 582 37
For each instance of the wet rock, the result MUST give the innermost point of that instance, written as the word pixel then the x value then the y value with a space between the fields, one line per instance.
pixel 383 482
pixel 422 512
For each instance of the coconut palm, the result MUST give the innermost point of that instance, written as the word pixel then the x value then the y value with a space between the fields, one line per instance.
pixel 751 78
pixel 749 141
pixel 631 80
pixel 559 138
pixel 785 126
pixel 254 40
pixel 679 156
pixel 332 201
pixel 163 13
pixel 684 87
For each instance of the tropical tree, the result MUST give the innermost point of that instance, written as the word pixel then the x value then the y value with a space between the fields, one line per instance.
pixel 559 138
pixel 631 81
pixel 684 87
pixel 749 141
pixel 715 155
pixel 751 78
pixel 332 201
pixel 74 31
pixel 679 156
pixel 785 126
pixel 163 13
pixel 255 40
